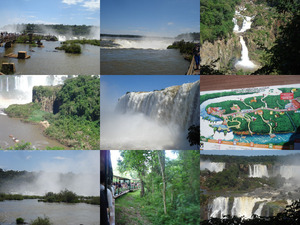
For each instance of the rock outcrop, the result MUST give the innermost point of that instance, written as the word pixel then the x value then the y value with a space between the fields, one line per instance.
pixel 46 95
pixel 227 51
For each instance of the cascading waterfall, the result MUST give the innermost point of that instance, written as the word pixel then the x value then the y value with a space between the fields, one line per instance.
pixel 259 209
pixel 245 62
pixel 220 207
pixel 242 206
pixel 177 104
pixel 212 166
pixel 258 170
pixel 17 89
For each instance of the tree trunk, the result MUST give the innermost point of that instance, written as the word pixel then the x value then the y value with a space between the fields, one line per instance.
pixel 161 158
pixel 142 187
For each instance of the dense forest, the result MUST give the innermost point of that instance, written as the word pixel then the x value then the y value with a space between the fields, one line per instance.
pixel 75 120
pixel 264 159
pixel 216 18
pixel 170 189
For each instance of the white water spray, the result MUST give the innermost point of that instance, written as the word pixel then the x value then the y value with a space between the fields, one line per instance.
pixel 17 89
pixel 212 166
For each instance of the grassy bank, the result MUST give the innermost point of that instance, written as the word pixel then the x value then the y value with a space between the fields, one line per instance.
pixel 129 209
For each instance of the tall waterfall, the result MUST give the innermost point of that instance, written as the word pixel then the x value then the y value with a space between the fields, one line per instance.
pixel 241 206
pixel 177 104
pixel 245 61
pixel 212 166
pixel 220 207
pixel 258 170
pixel 17 89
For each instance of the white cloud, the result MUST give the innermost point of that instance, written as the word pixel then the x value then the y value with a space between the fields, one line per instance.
pixel 170 23
pixel 28 157
pixel 92 5
pixel 72 2
pixel 59 158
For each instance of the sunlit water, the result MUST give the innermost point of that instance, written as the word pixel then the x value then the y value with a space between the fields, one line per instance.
pixel 47 60
pixel 59 213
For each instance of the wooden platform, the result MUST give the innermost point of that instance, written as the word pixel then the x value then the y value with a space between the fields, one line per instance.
pixel 223 82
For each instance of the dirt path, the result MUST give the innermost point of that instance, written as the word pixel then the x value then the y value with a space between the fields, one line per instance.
pixel 128 210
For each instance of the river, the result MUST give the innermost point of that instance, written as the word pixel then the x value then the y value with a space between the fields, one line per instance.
pixel 59 213
pixel 47 60
pixel 23 131
pixel 134 56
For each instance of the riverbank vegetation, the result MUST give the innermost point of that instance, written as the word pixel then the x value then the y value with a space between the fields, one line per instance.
pixel 67 196
pixel 75 119
pixel 185 48
pixel 70 48
pixel 170 189
pixel 57 28
pixel 83 42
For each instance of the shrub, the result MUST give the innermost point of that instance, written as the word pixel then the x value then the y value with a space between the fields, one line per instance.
pixel 20 220
pixel 41 221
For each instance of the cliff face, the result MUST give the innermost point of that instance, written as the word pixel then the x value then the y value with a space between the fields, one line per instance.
pixel 228 52
pixel 46 95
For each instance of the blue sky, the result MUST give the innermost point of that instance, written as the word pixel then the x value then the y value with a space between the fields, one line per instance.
pixel 166 18
pixel 113 87
pixel 69 12
pixel 51 161
pixel 248 153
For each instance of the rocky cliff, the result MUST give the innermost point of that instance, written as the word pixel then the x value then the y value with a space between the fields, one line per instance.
pixel 227 51
pixel 46 95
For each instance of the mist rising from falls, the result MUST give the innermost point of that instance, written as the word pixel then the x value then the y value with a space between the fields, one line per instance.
pixel 152 120
pixel 17 89
pixel 290 171
pixel 258 170
pixel 212 166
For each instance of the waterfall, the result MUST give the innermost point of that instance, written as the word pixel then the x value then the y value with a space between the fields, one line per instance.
pixel 242 206
pixel 219 207
pixel 17 89
pixel 245 61
pixel 212 166
pixel 258 171
pixel 174 105
pixel 259 209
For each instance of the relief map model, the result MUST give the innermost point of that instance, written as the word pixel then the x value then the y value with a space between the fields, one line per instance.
pixel 262 117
